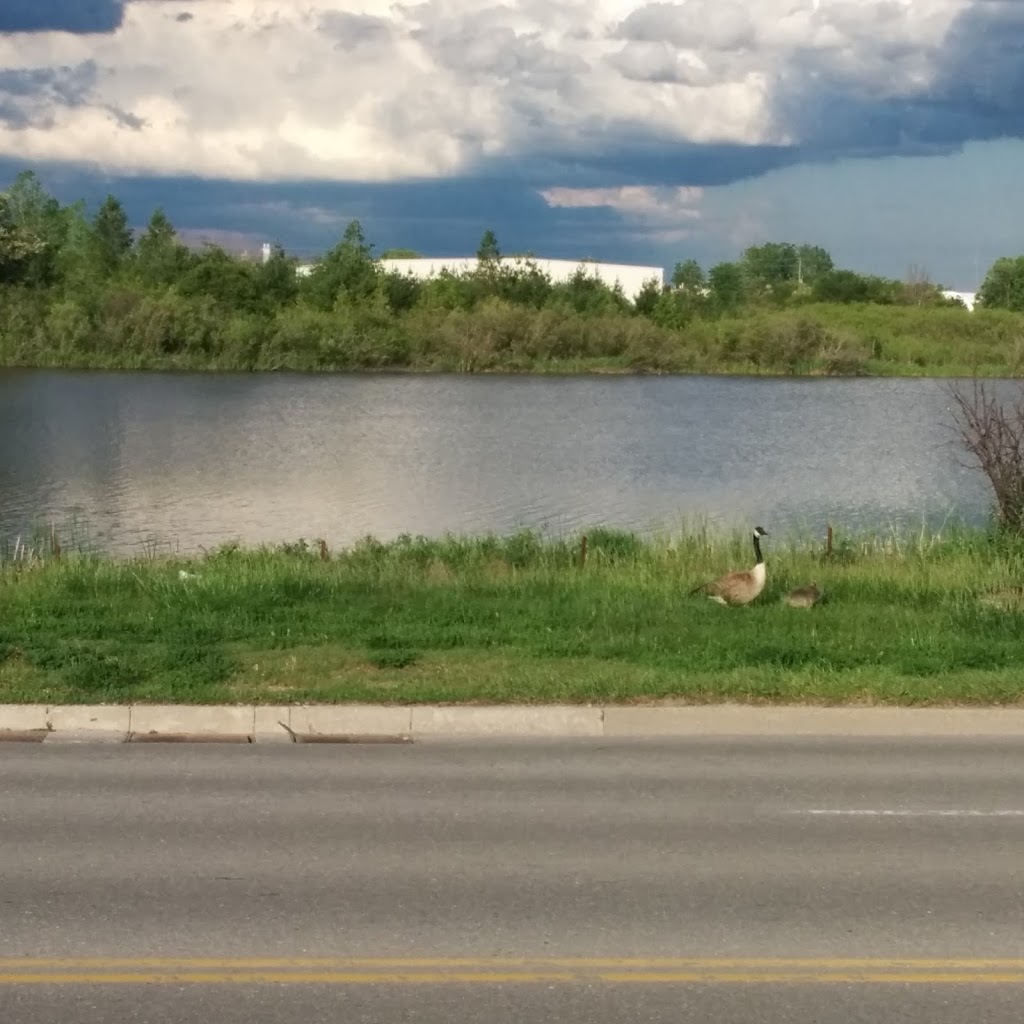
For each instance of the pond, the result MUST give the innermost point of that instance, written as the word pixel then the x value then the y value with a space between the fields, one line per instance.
pixel 184 461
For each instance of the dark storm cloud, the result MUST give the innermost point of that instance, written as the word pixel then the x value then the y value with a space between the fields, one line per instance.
pixel 975 81
pixel 69 85
pixel 438 217
pixel 982 80
pixel 79 16
pixel 974 95
pixel 645 159
pixel 60 15
pixel 12 115
pixel 28 95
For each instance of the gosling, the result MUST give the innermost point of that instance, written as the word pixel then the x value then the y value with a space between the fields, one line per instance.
pixel 805 597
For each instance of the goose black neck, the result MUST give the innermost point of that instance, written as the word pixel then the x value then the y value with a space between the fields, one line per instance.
pixel 757 549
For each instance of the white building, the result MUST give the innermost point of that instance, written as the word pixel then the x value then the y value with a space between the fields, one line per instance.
pixel 631 277
pixel 967 298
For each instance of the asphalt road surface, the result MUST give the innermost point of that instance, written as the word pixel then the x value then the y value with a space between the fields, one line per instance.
pixel 750 881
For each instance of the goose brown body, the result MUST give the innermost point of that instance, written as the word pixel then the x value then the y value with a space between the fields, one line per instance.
pixel 742 586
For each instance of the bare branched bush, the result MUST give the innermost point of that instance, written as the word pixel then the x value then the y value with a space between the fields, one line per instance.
pixel 992 433
pixel 843 354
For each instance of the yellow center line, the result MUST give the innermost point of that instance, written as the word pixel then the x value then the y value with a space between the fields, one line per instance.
pixel 813 978
pixel 15 971
pixel 289 978
pixel 625 963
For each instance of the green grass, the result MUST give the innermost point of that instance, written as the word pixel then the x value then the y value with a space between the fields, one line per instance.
pixel 518 619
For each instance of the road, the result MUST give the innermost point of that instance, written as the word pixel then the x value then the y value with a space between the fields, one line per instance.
pixel 756 881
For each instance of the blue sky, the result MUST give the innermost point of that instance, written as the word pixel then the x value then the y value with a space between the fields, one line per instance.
pixel 889 131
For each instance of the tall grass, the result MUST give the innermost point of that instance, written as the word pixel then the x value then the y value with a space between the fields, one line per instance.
pixel 924 617
pixel 44 541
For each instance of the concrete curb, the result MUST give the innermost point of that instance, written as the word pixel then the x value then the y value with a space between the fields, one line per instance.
pixel 368 723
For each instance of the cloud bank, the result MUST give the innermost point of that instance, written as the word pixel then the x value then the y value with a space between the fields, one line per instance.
pixel 568 93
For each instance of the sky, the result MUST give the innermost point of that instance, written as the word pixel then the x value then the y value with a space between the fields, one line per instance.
pixel 889 131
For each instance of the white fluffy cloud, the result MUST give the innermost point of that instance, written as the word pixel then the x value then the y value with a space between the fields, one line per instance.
pixel 370 90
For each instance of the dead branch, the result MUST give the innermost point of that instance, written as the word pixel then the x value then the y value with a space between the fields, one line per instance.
pixel 992 433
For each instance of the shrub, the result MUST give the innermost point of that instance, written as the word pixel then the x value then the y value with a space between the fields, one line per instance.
pixel 69 327
pixel 993 434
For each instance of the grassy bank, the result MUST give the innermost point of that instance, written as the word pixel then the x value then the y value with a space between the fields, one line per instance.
pixel 905 621
pixel 130 329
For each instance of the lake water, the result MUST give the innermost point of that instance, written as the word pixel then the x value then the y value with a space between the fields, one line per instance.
pixel 189 460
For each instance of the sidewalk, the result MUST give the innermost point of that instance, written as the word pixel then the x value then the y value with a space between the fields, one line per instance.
pixel 363 723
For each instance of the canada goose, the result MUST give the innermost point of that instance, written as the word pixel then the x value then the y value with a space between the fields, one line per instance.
pixel 739 587
pixel 805 597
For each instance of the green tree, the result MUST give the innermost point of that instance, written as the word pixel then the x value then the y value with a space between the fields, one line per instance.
pixel 448 291
pixel 37 216
pixel 488 250
pixel 112 237
pixel 402 291
pixel 30 205
pixel 347 274
pixel 523 283
pixel 586 293
pixel 848 286
pixel 776 263
pixel 276 280
pixel 17 246
pixel 771 263
pixel 675 309
pixel 75 258
pixel 688 275
pixel 159 257
pixel 399 254
pixel 647 298
pixel 812 262
pixel 1003 287
pixel 728 284
pixel 230 282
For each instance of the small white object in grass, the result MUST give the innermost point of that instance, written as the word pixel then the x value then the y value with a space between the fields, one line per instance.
pixel 187 575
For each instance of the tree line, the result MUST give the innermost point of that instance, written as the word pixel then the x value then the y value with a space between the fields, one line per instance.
pixel 81 287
